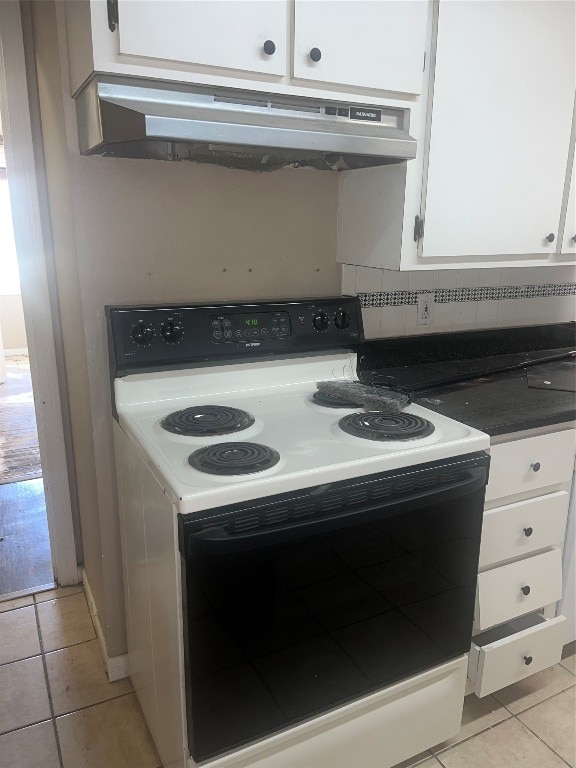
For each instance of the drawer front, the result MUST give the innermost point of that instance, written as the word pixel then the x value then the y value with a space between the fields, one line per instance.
pixel 501 592
pixel 518 529
pixel 502 663
pixel 535 462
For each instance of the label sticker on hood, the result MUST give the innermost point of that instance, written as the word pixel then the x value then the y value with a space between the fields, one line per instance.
pixel 366 113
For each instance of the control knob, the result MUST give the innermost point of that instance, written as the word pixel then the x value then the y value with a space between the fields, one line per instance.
pixel 320 321
pixel 342 319
pixel 172 332
pixel 142 334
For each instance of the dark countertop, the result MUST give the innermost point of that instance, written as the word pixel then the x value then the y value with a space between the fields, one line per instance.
pixel 498 403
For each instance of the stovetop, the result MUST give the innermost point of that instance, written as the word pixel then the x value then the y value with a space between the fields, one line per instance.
pixel 496 403
pixel 308 445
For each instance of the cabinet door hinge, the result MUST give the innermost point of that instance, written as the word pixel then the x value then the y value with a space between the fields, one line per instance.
pixel 112 14
pixel 418 229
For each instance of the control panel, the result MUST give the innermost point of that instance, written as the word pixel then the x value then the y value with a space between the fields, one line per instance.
pixel 157 337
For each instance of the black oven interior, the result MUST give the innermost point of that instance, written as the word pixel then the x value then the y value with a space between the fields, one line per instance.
pixel 296 604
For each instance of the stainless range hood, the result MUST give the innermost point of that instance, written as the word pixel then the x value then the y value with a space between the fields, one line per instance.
pixel 250 130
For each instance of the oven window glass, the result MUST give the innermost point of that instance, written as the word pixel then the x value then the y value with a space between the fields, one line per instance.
pixel 280 631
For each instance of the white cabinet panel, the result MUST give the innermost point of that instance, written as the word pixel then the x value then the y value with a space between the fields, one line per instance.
pixel 229 34
pixel 527 465
pixel 569 237
pixel 365 43
pixel 501 657
pixel 519 529
pixel 512 590
pixel 501 120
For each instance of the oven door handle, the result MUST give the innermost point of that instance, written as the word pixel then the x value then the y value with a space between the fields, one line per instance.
pixel 218 538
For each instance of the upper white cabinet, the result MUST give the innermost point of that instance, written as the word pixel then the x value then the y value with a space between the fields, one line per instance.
pixel 361 43
pixel 568 244
pixel 493 126
pixel 246 35
pixel 500 133
pixel 353 50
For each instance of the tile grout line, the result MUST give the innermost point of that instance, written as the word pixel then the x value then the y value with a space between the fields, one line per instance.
pixel 28 725
pixel 17 661
pixel 516 714
pixel 473 735
pixel 541 739
pixel 51 704
pixel 506 720
pixel 94 704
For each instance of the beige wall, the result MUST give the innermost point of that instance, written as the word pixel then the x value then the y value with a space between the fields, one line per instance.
pixel 149 231
pixel 12 322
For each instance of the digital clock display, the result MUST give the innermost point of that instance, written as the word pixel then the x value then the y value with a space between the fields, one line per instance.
pixel 251 321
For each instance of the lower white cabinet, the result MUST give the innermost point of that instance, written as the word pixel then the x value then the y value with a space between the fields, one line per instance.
pixel 520 579
pixel 515 530
pixel 513 651
pixel 530 464
pixel 512 590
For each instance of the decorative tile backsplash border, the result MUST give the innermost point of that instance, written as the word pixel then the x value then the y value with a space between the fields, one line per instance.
pixel 450 295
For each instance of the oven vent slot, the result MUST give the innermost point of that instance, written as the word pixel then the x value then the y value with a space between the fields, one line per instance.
pixel 351 498
pixel 336 502
pixel 275 516
pixel 244 523
pixel 303 509
pixel 358 497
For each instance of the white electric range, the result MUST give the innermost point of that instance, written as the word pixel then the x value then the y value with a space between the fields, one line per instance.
pixel 299 572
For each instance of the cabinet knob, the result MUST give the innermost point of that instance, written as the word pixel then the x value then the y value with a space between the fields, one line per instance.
pixel 269 47
pixel 527 660
pixel 526 590
pixel 528 531
pixel 550 237
pixel 573 238
pixel 315 54
pixel 535 467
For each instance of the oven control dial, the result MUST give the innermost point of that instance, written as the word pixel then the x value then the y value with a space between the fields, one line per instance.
pixel 320 321
pixel 172 332
pixel 342 319
pixel 142 333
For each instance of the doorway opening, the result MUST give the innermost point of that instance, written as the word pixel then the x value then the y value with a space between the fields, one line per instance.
pixel 25 556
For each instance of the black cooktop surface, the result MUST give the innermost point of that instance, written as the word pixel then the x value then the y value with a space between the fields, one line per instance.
pixel 500 403
pixel 490 398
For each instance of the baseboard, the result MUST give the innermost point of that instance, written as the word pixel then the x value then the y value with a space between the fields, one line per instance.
pixel 15 352
pixel 116 666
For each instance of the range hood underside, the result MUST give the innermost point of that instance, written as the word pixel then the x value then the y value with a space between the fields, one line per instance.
pixel 119 119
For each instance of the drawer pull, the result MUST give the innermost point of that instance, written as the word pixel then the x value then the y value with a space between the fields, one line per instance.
pixel 528 531
pixel 526 590
pixel 527 660
pixel 535 467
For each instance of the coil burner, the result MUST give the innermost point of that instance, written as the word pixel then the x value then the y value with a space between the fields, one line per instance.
pixel 375 425
pixel 234 458
pixel 205 420
pixel 332 401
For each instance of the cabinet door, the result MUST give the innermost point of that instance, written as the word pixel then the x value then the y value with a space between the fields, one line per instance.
pixel 500 131
pixel 569 237
pixel 229 34
pixel 365 43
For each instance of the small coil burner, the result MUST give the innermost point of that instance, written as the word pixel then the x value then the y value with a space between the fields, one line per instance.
pixel 234 458
pixel 375 425
pixel 332 401
pixel 205 420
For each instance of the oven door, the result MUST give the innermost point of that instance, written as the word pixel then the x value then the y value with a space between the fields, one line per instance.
pixel 298 603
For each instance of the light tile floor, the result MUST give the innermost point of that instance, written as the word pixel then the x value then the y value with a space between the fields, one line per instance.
pixel 58 710
pixel 531 724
